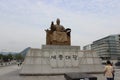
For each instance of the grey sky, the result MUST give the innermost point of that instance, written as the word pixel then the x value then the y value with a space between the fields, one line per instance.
pixel 22 22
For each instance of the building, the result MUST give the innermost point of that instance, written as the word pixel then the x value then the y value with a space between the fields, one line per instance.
pixel 107 47
pixel 87 47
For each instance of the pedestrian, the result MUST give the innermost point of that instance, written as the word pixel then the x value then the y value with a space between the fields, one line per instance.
pixel 113 71
pixel 108 71
pixel 18 64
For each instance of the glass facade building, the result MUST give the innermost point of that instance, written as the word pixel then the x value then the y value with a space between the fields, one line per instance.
pixel 107 47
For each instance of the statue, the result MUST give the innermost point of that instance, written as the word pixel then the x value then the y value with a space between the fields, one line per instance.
pixel 58 35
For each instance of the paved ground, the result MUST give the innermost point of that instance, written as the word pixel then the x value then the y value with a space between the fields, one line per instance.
pixel 12 73
pixel 117 74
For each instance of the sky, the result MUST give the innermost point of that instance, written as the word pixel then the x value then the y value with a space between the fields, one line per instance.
pixel 23 22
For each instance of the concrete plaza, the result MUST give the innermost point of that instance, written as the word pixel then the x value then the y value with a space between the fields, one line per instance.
pixel 12 73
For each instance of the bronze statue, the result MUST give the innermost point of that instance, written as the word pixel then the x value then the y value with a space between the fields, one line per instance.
pixel 58 35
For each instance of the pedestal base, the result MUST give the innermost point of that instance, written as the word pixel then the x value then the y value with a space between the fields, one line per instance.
pixel 52 59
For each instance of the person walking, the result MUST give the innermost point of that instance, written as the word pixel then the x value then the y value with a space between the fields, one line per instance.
pixel 113 71
pixel 108 71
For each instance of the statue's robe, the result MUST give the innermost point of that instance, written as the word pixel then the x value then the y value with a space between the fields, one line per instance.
pixel 59 35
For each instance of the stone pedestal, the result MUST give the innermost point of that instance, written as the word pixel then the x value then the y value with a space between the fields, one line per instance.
pixel 53 59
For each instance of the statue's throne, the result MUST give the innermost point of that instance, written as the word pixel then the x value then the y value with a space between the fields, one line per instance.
pixel 50 41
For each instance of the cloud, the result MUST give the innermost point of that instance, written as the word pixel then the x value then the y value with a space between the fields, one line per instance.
pixel 23 22
pixel 89 6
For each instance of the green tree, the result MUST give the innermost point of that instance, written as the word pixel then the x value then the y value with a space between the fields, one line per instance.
pixel 10 56
pixel 19 57
pixel 5 58
pixel 1 56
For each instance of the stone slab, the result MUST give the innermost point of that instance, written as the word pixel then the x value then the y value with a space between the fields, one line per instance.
pixel 80 76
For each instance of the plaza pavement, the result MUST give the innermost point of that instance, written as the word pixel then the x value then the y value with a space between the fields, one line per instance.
pixel 12 73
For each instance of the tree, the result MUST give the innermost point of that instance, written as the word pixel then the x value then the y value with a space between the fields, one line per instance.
pixel 5 58
pixel 1 56
pixel 10 56
pixel 19 57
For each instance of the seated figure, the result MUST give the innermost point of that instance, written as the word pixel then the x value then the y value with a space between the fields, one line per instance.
pixel 58 35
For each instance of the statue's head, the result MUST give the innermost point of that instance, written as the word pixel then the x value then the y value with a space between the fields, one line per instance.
pixel 58 21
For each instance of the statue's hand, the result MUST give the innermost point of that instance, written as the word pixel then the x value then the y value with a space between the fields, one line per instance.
pixel 68 30
pixel 46 30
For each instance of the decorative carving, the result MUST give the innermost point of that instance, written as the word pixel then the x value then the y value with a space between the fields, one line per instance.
pixel 57 34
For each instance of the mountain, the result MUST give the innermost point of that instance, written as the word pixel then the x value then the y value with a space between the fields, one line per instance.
pixel 5 53
pixel 23 53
